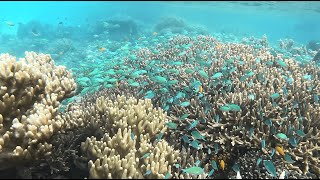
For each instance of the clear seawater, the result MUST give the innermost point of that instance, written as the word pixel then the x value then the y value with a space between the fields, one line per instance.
pixel 276 19
pixel 77 21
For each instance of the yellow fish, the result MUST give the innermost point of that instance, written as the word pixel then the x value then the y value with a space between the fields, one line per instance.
pixel 280 150
pixel 200 89
pixel 154 33
pixel 219 46
pixel 222 164
pixel 102 49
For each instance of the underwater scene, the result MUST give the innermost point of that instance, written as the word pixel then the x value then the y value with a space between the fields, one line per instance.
pixel 162 90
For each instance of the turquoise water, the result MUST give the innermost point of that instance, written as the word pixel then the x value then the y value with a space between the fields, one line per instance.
pixel 237 81
pixel 296 20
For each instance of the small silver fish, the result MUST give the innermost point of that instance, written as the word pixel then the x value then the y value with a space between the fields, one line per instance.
pixel 238 175
pixel 282 175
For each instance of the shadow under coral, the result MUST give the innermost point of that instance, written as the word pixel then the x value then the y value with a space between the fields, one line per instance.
pixel 65 161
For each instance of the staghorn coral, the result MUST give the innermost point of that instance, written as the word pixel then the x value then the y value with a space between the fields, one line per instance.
pixel 250 169
pixel 129 128
pixel 31 91
pixel 286 44
pixel 272 94
pixel 295 109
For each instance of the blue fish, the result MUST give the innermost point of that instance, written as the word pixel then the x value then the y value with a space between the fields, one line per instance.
pixel 166 107
pixel 159 136
pixel 197 162
pixel 268 122
pixel 275 96
pixel 194 170
pixel 184 116
pixel 140 92
pixel 288 159
pixel 285 91
pixel 217 118
pixel 216 148
pixel 273 130
pixel 148 172
pixel 300 133
pixel 316 99
pixel 193 124
pixel 290 131
pixel 170 100
pixel 186 139
pixel 179 95
pixel 308 77
pixel 251 131
pixel 295 104
pixel 272 152
pixel 211 172
pixel 185 104
pixel 263 143
pixel 149 95
pixel 293 141
pixel 195 144
pixel 167 175
pixel 145 155
pixel 259 161
pixel 274 104
pixel 177 165
pixel 236 167
pixel 270 167
pixel 251 96
pixel 214 165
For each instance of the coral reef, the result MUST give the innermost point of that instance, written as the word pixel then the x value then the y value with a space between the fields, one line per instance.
pixel 118 28
pixel 129 127
pixel 31 91
pixel 34 29
pixel 251 168
pixel 177 25
pixel 316 58
pixel 274 102
pixel 286 44
pixel 234 96
pixel 189 107
pixel 313 45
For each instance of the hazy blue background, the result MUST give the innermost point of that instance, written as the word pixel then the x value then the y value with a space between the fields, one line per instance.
pixel 297 20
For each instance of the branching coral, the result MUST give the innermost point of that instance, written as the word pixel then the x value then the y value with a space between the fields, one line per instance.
pixel 234 95
pixel 31 90
pixel 129 147
pixel 220 98
pixel 257 97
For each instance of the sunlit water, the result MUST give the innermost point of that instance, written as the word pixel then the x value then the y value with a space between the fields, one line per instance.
pixel 296 20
